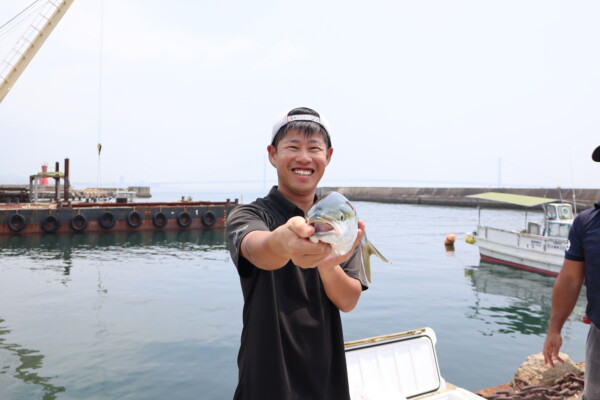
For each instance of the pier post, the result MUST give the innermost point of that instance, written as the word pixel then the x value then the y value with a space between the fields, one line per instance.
pixel 66 181
pixel 56 182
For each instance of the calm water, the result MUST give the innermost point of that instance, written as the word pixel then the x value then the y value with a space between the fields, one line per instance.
pixel 158 315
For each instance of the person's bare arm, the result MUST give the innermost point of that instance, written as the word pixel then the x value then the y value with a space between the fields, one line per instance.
pixel 343 290
pixel 272 250
pixel 564 297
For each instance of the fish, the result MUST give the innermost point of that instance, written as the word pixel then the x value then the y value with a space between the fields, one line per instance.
pixel 336 222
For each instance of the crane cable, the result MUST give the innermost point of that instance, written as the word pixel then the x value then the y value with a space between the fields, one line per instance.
pixel 100 69
pixel 15 17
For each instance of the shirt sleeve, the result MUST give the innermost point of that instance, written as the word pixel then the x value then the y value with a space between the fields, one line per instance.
pixel 355 268
pixel 574 251
pixel 242 220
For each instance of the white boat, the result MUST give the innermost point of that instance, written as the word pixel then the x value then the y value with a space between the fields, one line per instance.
pixel 540 247
pixel 399 366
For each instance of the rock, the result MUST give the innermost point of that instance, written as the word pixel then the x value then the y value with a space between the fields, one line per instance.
pixel 533 371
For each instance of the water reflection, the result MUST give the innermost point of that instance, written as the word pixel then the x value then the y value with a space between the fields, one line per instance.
pixel 527 299
pixel 69 241
pixel 59 251
pixel 20 363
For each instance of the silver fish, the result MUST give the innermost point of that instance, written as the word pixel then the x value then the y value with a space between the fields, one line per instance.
pixel 335 222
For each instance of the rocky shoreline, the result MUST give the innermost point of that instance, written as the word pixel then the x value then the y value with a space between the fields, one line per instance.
pixel 536 381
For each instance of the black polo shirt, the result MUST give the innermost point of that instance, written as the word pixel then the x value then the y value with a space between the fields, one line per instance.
pixel 292 345
pixel 584 245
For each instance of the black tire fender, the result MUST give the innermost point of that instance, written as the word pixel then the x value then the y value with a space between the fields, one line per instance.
pixel 159 219
pixel 50 224
pixel 208 218
pixel 134 219
pixel 79 222
pixel 184 219
pixel 107 220
pixel 16 222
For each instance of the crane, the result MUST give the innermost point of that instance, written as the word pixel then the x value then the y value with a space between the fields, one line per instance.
pixel 28 45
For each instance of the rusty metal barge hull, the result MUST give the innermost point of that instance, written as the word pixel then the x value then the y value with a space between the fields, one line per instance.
pixel 39 218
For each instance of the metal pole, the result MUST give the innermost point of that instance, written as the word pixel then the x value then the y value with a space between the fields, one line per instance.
pixel 66 180
pixel 56 182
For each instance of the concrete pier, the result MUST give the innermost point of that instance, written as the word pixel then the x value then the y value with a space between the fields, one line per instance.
pixel 585 198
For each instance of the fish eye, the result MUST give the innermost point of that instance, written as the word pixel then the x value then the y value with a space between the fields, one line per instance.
pixel 342 217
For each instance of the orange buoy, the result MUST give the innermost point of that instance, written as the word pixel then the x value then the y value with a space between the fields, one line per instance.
pixel 450 239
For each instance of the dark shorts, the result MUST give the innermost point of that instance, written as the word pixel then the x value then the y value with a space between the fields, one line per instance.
pixel 592 364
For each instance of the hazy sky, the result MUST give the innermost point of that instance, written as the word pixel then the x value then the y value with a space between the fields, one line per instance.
pixel 418 93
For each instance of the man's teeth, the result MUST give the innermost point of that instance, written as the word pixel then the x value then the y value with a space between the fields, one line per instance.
pixel 303 172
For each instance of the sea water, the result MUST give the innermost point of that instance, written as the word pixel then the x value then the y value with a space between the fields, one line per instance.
pixel 154 315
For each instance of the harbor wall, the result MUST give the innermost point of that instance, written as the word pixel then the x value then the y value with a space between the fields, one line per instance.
pixel 585 198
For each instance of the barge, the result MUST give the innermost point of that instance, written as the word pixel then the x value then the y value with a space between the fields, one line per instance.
pixel 30 216
pixel 38 218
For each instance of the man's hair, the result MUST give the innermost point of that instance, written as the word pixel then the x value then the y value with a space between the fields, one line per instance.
pixel 307 127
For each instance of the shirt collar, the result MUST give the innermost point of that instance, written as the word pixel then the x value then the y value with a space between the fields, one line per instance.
pixel 287 206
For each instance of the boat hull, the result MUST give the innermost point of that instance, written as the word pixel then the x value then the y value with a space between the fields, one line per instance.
pixel 98 217
pixel 522 250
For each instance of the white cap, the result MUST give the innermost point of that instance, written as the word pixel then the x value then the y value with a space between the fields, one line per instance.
pixel 285 118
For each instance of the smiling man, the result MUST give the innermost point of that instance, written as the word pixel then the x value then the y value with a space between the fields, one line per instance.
pixel 292 346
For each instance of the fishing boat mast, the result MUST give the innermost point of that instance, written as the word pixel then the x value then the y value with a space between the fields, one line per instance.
pixel 28 45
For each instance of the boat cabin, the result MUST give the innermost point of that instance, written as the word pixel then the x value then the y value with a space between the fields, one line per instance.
pixel 558 218
pixel 124 196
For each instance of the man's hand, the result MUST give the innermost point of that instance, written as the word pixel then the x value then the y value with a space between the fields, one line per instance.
pixel 302 252
pixel 343 290
pixel 552 346
pixel 564 297
pixel 332 260
pixel 272 250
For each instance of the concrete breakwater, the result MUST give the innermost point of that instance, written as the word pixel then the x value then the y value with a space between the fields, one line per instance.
pixel 585 198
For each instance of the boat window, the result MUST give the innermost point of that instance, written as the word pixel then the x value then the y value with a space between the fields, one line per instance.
pixel 558 230
pixel 533 228
pixel 552 230
pixel 551 212
pixel 565 212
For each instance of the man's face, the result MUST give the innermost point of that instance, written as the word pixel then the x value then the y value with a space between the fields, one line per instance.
pixel 300 161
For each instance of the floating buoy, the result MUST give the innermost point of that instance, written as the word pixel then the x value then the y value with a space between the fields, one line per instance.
pixel 450 239
pixel 470 239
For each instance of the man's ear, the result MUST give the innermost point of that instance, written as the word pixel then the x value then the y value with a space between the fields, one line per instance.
pixel 329 154
pixel 272 150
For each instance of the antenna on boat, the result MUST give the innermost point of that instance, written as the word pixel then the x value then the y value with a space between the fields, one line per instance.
pixel 572 182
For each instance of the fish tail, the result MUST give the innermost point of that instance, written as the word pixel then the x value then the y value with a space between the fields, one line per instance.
pixel 372 250
pixel 369 249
